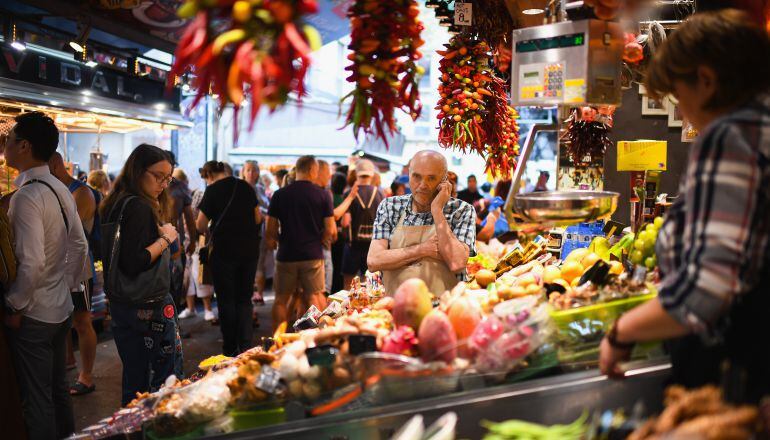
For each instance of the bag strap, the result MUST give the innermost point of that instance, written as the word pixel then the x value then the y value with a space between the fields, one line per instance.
pixel 116 238
pixel 224 211
pixel 61 207
pixel 371 199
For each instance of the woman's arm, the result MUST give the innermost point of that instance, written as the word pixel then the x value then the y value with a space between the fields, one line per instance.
pixel 140 244
pixel 340 210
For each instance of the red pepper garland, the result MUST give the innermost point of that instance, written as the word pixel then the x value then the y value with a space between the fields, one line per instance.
pixel 474 111
pixel 385 36
pixel 232 45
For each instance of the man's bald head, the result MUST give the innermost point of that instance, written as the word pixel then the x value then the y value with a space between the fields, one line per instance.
pixel 430 158
pixel 426 170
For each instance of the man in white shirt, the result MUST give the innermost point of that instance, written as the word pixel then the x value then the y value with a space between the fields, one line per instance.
pixel 52 254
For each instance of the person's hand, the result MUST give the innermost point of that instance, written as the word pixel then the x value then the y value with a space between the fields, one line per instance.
pixel 444 192
pixel 353 190
pixel 610 359
pixel 190 248
pixel 430 248
pixel 169 231
pixel 13 320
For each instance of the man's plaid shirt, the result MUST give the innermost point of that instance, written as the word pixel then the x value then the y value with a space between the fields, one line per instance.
pixel 460 216
pixel 715 244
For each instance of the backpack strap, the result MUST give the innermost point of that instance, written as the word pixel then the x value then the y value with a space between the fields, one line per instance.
pixel 61 207
pixel 371 199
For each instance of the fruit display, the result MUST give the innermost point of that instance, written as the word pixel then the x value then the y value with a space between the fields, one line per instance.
pixel 234 48
pixel 643 252
pixel 700 413
pixel 473 106
pixel 385 38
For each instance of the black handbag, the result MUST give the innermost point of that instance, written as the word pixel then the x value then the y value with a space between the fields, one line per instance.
pixel 149 286
pixel 205 252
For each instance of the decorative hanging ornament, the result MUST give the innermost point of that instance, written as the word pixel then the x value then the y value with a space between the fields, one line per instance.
pixel 384 39
pixel 259 47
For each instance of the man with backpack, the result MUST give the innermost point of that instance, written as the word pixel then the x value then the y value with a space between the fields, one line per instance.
pixel 86 203
pixel 52 253
pixel 361 213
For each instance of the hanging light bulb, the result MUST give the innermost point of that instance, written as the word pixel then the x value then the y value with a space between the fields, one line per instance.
pixel 432 4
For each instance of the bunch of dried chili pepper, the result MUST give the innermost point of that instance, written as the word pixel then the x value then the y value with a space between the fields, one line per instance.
pixel 474 112
pixel 465 75
pixel 587 133
pixel 503 131
pixel 384 38
pixel 234 47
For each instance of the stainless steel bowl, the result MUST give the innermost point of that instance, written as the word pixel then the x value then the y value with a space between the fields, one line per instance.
pixel 566 207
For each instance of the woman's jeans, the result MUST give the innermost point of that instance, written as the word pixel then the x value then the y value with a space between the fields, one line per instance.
pixel 234 286
pixel 147 338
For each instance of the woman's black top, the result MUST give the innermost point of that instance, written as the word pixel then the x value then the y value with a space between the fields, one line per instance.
pixel 237 236
pixel 138 230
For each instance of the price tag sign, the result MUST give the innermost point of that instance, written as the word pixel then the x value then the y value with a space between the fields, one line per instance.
pixel 642 155
pixel 463 14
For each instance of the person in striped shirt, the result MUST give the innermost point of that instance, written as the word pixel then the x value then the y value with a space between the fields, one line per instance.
pixel 714 247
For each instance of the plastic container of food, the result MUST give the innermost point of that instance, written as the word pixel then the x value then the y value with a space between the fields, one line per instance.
pixel 248 419
pixel 588 324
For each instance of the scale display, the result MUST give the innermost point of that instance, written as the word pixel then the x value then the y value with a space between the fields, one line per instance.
pixel 558 42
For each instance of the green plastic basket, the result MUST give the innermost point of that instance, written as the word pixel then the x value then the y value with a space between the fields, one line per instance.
pixel 243 419
pixel 584 324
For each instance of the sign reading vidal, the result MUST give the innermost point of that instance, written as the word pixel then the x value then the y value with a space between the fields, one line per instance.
pixel 39 68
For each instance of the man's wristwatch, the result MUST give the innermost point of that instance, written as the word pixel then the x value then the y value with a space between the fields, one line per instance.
pixel 612 338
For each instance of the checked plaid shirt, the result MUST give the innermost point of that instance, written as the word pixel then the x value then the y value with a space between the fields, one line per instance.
pixel 714 247
pixel 460 216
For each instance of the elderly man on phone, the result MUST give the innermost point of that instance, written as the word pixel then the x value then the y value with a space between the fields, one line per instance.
pixel 426 234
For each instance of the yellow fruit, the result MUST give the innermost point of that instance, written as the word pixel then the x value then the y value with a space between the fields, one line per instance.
pixel 518 292
pixel 526 280
pixel 485 277
pixel 575 282
pixel 589 260
pixel 577 254
pixel 533 289
pixel 571 270
pixel 551 273
pixel 616 267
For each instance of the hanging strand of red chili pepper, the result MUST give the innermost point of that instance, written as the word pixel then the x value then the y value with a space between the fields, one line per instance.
pixel 473 106
pixel 587 133
pixel 464 77
pixel 384 38
pixel 503 143
pixel 234 47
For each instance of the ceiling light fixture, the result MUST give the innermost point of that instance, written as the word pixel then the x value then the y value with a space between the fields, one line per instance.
pixel 533 11
pixel 432 4
pixel 79 43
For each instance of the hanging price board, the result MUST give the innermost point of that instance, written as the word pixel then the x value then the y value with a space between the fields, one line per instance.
pixel 463 14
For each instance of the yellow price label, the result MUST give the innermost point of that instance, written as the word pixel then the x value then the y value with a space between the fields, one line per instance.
pixel 642 155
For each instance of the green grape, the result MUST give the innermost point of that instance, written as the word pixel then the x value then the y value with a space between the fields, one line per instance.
pixel 650 262
pixel 658 222
pixel 649 247
pixel 639 244
pixel 637 257
pixel 645 235
pixel 650 227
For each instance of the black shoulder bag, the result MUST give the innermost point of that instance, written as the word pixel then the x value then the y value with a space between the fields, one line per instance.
pixel 149 286
pixel 205 252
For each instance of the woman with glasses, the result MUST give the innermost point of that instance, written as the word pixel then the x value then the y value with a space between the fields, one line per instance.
pixel 230 216
pixel 146 333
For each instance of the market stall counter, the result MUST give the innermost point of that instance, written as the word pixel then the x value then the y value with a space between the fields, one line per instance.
pixel 557 399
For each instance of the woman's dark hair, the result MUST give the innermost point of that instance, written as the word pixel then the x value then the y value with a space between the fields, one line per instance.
pixel 727 41
pixel 40 131
pixel 129 182
pixel 212 167
pixel 502 188
pixel 395 186
pixel 339 183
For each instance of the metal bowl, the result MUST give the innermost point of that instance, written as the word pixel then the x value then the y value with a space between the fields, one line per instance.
pixel 566 207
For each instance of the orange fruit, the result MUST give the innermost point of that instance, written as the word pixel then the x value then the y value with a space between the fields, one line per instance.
pixel 616 267
pixel 571 270
pixel 589 260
